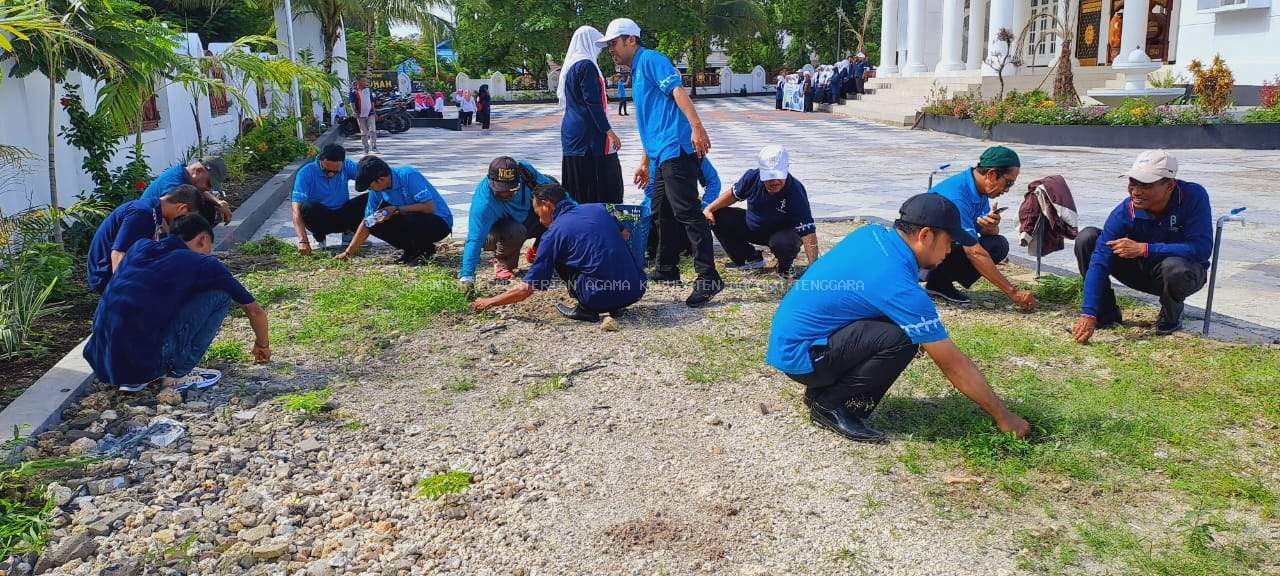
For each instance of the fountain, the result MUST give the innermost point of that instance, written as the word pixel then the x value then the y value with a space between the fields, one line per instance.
pixel 1134 69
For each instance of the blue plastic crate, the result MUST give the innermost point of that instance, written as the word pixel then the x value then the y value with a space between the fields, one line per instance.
pixel 635 219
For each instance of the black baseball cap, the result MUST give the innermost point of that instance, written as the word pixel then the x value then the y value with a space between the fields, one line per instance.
pixel 370 168
pixel 935 211
pixel 503 174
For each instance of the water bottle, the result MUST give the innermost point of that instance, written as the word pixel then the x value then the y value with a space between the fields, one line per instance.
pixel 373 219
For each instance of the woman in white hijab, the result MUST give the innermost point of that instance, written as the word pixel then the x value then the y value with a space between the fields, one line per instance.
pixel 590 168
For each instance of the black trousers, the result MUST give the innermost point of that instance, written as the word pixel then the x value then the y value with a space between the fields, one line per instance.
pixel 777 100
pixel 622 106
pixel 465 117
pixel 1172 278
pixel 679 210
pixel 739 241
pixel 413 233
pixel 593 178
pixel 857 365
pixel 482 117
pixel 322 221
pixel 957 267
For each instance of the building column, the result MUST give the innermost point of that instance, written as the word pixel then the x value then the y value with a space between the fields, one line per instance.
pixel 1021 16
pixel 888 39
pixel 1104 33
pixel 1133 28
pixel 977 21
pixel 1001 17
pixel 952 37
pixel 915 38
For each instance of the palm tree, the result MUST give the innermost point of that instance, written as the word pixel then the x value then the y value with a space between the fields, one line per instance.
pixel 719 20
pixel 369 14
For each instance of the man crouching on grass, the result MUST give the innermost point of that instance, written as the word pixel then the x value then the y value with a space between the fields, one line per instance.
pixel 850 326
pixel 586 247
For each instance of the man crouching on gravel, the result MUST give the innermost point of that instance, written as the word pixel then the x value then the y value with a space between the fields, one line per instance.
pixel 585 246
pixel 850 326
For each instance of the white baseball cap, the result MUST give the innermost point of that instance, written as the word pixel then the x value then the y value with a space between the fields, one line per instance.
pixel 1152 166
pixel 619 27
pixel 773 162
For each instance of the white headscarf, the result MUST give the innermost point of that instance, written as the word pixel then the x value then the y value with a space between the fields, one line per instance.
pixel 581 47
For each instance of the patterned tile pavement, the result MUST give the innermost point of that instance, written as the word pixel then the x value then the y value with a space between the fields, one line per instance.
pixel 854 168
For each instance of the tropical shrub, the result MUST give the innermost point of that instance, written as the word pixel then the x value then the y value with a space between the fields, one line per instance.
pixel 1212 85
pixel 272 144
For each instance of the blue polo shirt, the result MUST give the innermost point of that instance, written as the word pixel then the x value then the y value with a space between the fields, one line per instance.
pixel 707 176
pixel 587 240
pixel 962 191
pixel 664 131
pixel 172 177
pixel 870 274
pixel 132 221
pixel 408 186
pixel 1184 230
pixel 789 208
pixel 487 211
pixel 312 186
pixel 142 301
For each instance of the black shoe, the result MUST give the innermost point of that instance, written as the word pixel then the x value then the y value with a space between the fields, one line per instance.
pixel 840 421
pixel 660 276
pixel 1170 320
pixel 410 257
pixel 703 292
pixel 577 313
pixel 947 291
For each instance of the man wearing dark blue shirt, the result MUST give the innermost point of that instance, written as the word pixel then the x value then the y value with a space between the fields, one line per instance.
pixel 206 175
pixel 163 308
pixel 404 208
pixel 585 247
pixel 777 215
pixel 1158 241
pixel 673 136
pixel 850 326
pixel 130 222
pixel 320 199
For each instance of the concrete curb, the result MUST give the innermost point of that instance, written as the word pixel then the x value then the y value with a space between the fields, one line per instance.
pixel 40 406
pixel 255 211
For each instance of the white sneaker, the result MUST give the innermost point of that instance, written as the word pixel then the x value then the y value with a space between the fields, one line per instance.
pixel 198 378
pixel 748 265
pixel 320 244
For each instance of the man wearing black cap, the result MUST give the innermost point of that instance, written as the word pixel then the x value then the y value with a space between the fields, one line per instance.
pixel 206 175
pixel 501 218
pixel 850 326
pixel 971 192
pixel 404 210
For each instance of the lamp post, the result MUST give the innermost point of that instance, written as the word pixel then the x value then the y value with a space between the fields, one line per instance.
pixel 297 99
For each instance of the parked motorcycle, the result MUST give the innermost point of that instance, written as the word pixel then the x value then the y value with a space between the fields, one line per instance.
pixel 391 113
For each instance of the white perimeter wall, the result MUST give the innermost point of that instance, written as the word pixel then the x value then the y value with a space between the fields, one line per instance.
pixel 1248 40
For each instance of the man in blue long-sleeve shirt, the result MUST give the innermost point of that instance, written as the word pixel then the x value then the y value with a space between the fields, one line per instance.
pixel 1157 241
pixel 501 217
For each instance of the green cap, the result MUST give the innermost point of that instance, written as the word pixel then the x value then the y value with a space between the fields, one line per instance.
pixel 999 157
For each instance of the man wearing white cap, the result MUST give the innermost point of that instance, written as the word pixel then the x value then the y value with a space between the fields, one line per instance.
pixel 673 137
pixel 777 215
pixel 1157 241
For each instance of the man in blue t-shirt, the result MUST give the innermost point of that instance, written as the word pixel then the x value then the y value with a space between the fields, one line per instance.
pixel 586 248
pixel 672 136
pixel 777 215
pixel 163 308
pixel 1158 241
pixel 130 222
pixel 206 175
pixel 321 203
pixel 971 191
pixel 850 326
pixel 406 210
pixel 501 218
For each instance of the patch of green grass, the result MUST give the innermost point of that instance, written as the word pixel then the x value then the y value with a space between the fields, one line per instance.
pixel 504 402
pixel 870 505
pixel 1059 290
pixel 851 554
pixel 542 388
pixel 461 384
pixel 354 425
pixel 25 508
pixel 268 295
pixel 226 352
pixel 1192 546
pixel 912 460
pixel 268 246
pixel 441 485
pixel 730 348
pixel 308 403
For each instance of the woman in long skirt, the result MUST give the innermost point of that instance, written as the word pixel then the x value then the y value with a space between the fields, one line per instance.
pixel 590 169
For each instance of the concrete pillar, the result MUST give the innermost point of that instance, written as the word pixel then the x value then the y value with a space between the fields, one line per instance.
pixel 888 39
pixel 1104 33
pixel 1001 17
pixel 915 38
pixel 952 37
pixel 1133 28
pixel 1021 16
pixel 977 21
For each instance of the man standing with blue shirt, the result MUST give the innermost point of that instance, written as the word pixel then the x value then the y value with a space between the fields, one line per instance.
pixel 850 326
pixel 1158 241
pixel 673 136
pixel 501 218
pixel 406 211
pixel 320 199
pixel 971 191
pixel 777 215
pixel 585 247
pixel 206 175
pixel 163 308
pixel 144 218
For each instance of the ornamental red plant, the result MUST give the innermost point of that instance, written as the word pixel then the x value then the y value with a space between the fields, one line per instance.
pixel 1270 93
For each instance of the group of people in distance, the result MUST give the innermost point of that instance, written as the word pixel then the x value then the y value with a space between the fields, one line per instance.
pixel 846 328
pixel 828 83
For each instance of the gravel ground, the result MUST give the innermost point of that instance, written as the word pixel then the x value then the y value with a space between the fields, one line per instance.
pixel 592 453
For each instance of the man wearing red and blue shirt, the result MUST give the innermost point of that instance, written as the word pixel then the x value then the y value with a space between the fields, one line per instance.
pixel 144 218
pixel 321 202
pixel 406 210
pixel 1157 241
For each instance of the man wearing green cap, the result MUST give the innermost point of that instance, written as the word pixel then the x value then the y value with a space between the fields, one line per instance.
pixel 971 191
